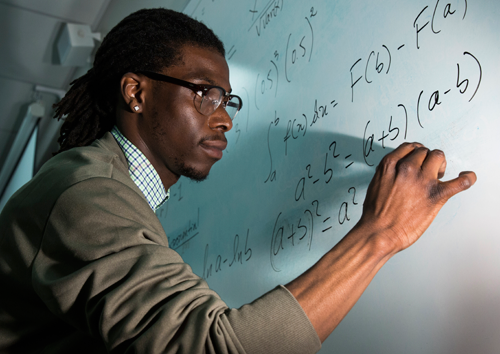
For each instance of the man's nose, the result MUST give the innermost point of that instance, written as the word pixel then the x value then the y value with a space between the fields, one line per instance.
pixel 220 119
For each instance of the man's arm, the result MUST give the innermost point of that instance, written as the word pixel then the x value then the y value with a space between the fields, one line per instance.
pixel 402 200
pixel 104 268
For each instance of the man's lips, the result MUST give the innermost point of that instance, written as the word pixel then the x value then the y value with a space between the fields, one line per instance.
pixel 214 147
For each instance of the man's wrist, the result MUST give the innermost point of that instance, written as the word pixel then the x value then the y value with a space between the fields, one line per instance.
pixel 381 241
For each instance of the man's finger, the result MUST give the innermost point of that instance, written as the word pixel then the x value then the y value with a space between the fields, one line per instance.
pixel 388 163
pixel 415 158
pixel 445 190
pixel 404 149
pixel 442 169
pixel 435 164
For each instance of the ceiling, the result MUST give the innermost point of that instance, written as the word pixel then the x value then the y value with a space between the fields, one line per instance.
pixel 28 32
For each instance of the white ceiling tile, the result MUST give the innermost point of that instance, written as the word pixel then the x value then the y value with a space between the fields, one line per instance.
pixel 79 11
pixel 27 47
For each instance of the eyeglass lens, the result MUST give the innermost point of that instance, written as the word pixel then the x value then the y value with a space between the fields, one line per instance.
pixel 212 99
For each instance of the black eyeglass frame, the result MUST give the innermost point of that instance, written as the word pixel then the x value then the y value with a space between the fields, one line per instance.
pixel 196 88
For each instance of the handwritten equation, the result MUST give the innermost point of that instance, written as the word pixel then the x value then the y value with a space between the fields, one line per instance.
pixel 290 232
pixel 290 56
pixel 240 254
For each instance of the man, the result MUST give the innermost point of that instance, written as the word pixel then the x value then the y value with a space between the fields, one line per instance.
pixel 84 262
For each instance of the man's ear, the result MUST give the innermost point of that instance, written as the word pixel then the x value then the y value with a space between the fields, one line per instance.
pixel 132 91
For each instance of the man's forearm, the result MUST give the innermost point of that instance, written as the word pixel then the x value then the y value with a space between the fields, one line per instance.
pixel 329 289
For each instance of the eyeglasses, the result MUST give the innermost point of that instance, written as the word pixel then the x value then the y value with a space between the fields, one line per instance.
pixel 208 97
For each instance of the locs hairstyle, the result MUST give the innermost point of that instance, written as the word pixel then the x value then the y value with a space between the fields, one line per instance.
pixel 145 40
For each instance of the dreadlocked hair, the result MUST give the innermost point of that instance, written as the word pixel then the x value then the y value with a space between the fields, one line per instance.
pixel 147 40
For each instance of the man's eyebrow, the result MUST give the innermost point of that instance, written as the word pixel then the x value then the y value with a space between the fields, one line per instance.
pixel 212 82
pixel 209 80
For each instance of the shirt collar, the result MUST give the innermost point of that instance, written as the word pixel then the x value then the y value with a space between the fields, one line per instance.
pixel 142 172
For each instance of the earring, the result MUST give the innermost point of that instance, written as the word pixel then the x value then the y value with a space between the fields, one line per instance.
pixel 136 108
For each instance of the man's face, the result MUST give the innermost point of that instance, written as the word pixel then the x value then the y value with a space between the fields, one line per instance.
pixel 181 140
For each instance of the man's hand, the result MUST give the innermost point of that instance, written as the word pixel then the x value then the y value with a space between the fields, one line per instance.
pixel 406 194
pixel 403 198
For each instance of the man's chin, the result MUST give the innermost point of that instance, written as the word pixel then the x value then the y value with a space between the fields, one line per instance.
pixel 193 174
pixel 197 178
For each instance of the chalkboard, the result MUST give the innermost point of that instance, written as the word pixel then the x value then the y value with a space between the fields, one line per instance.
pixel 329 87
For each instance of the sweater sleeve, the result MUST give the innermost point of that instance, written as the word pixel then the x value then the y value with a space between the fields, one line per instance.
pixel 104 267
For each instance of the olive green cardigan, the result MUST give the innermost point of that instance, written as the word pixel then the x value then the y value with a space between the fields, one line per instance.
pixel 85 267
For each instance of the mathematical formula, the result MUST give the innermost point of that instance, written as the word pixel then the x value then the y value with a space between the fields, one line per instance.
pixel 281 64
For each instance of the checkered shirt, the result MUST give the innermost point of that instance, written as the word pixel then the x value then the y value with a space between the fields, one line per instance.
pixel 142 172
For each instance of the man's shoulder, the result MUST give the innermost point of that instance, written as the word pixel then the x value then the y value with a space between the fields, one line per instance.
pixel 102 159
